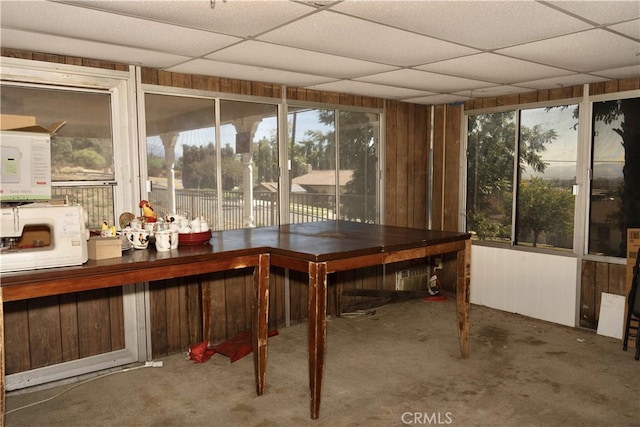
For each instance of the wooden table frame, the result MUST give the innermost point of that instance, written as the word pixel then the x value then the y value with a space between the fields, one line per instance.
pixel 318 271
pixel 315 248
pixel 110 273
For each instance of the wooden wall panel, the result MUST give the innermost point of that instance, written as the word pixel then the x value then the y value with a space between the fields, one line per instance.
pixel 45 331
pixel 596 278
pixel 439 159
pixel 407 164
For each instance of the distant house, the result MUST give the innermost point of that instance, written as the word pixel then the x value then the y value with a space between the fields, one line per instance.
pixel 323 181
pixel 272 187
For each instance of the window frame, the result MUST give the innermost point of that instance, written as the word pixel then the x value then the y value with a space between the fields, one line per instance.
pixel 117 83
pixel 283 131
pixel 516 109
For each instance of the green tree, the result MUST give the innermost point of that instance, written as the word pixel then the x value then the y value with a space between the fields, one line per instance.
pixel 543 207
pixel 198 166
pixel 490 180
pixel 88 158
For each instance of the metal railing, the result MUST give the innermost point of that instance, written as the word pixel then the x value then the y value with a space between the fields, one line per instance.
pixel 303 207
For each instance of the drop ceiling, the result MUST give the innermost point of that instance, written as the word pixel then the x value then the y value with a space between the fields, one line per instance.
pixel 426 52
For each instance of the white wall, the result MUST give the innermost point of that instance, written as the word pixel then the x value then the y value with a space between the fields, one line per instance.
pixel 537 285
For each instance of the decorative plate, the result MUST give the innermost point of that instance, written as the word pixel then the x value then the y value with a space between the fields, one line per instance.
pixel 186 239
pixel 124 219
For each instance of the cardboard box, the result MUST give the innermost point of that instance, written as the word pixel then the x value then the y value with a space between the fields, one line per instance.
pixel 11 121
pixel 25 159
pixel 104 247
pixel 27 124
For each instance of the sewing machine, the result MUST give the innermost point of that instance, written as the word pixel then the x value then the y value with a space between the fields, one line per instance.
pixel 40 235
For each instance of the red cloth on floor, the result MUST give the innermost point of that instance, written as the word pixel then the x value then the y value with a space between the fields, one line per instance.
pixel 236 348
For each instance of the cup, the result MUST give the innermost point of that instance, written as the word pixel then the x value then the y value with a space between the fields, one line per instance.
pixel 139 238
pixel 135 224
pixel 165 240
pixel 174 238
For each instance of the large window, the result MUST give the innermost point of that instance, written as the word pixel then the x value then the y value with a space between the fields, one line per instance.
pixel 231 183
pixel 615 181
pixel 334 165
pixel 220 159
pixel 82 151
pixel 521 168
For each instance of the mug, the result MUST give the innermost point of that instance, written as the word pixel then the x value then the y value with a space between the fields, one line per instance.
pixel 166 240
pixel 174 239
pixel 138 238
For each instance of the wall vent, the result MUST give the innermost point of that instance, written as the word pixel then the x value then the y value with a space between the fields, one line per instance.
pixel 413 279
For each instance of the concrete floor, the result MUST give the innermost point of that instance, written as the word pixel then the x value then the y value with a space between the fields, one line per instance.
pixel 399 366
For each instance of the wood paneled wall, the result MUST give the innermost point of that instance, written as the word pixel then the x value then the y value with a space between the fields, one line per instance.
pixel 46 331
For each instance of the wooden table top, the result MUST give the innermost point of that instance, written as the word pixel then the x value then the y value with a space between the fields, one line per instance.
pixel 314 242
pixel 330 240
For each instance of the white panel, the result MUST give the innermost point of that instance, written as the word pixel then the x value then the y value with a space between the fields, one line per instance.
pixel 493 68
pixel 119 30
pixel 239 18
pixel 585 51
pixel 611 319
pixel 470 23
pixel 355 38
pixel 245 72
pixel 423 80
pixel 86 49
pixel 299 60
pixel 537 285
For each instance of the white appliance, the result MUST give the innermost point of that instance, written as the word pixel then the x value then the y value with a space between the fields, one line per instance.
pixel 42 235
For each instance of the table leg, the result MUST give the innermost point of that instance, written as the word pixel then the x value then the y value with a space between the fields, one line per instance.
pixel 261 321
pixel 317 332
pixel 463 296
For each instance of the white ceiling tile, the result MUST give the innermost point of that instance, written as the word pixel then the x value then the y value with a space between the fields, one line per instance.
pixel 582 52
pixel 244 72
pixel 299 60
pixel 355 38
pixel 241 18
pixel 368 89
pixel 422 80
pixel 492 91
pixel 493 68
pixel 629 28
pixel 81 23
pixel 621 73
pixel 602 12
pixel 86 49
pixel 437 99
pixel 479 24
pixel 558 82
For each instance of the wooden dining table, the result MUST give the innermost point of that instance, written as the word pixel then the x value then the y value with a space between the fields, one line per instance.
pixel 321 248
pixel 317 248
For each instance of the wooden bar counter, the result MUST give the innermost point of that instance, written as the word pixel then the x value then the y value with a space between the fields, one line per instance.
pixel 137 266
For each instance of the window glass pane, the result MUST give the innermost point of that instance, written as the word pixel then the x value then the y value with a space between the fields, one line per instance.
pixel 547 160
pixel 82 150
pixel 359 133
pixel 182 160
pixel 490 159
pixel 615 184
pixel 249 155
pixel 313 172
pixel 181 156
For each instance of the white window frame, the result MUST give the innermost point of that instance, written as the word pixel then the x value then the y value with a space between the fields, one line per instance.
pixel 120 85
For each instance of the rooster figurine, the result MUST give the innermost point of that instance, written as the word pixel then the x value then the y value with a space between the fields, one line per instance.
pixel 148 213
